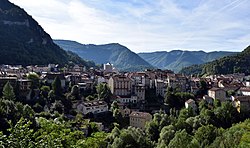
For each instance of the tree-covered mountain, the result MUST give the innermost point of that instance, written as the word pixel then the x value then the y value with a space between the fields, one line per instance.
pixel 177 59
pixel 238 63
pixel 114 53
pixel 23 41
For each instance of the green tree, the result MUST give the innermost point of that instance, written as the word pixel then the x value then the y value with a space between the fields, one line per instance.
pixel 57 87
pixel 202 85
pixel 56 133
pixel 96 140
pixel 154 127
pixel 203 105
pixel 28 112
pixel 114 106
pixel 45 91
pixel 233 137
pixel 58 106
pixel 104 92
pixel 20 135
pixel 8 92
pixel 34 77
pixel 205 135
pixel 181 139
pixel 132 138
pixel 226 115
pixel 170 98
pixel 166 135
pixel 216 103
pixel 75 93
pixel 186 113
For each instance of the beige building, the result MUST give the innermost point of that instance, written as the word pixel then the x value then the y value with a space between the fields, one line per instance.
pixel 120 85
pixel 217 93
pixel 139 119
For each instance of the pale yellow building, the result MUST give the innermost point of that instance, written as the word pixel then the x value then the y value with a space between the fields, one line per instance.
pixel 139 119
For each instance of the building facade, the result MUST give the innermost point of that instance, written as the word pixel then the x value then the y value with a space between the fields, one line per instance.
pixel 139 119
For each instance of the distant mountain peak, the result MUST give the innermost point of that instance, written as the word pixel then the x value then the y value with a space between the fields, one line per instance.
pixel 114 53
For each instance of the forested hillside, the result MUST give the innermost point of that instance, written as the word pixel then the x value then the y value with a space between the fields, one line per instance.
pixel 238 63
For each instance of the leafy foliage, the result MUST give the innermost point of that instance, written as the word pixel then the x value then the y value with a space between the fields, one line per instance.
pixel 8 92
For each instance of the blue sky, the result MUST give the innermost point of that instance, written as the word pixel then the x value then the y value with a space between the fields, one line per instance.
pixel 147 25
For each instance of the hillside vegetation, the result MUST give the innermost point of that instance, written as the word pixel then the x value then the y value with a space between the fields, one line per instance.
pixel 238 63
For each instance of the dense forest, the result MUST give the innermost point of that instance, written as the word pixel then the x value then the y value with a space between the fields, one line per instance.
pixel 238 63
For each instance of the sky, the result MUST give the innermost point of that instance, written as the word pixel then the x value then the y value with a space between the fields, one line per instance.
pixel 147 25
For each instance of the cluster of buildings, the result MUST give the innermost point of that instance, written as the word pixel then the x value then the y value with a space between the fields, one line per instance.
pixel 231 87
pixel 131 87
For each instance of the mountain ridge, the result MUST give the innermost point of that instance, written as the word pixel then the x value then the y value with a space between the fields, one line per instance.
pixel 24 42
pixel 177 59
pixel 115 53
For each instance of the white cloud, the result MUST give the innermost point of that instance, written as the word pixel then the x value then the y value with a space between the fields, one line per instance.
pixel 146 25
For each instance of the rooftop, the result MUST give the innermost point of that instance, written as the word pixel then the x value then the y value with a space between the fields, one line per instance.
pixel 139 114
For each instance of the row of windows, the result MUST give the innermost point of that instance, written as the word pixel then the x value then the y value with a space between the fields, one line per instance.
pixel 122 85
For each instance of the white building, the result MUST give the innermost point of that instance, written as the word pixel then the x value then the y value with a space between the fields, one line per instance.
pixel 245 91
pixel 248 84
pixel 94 107
pixel 108 68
